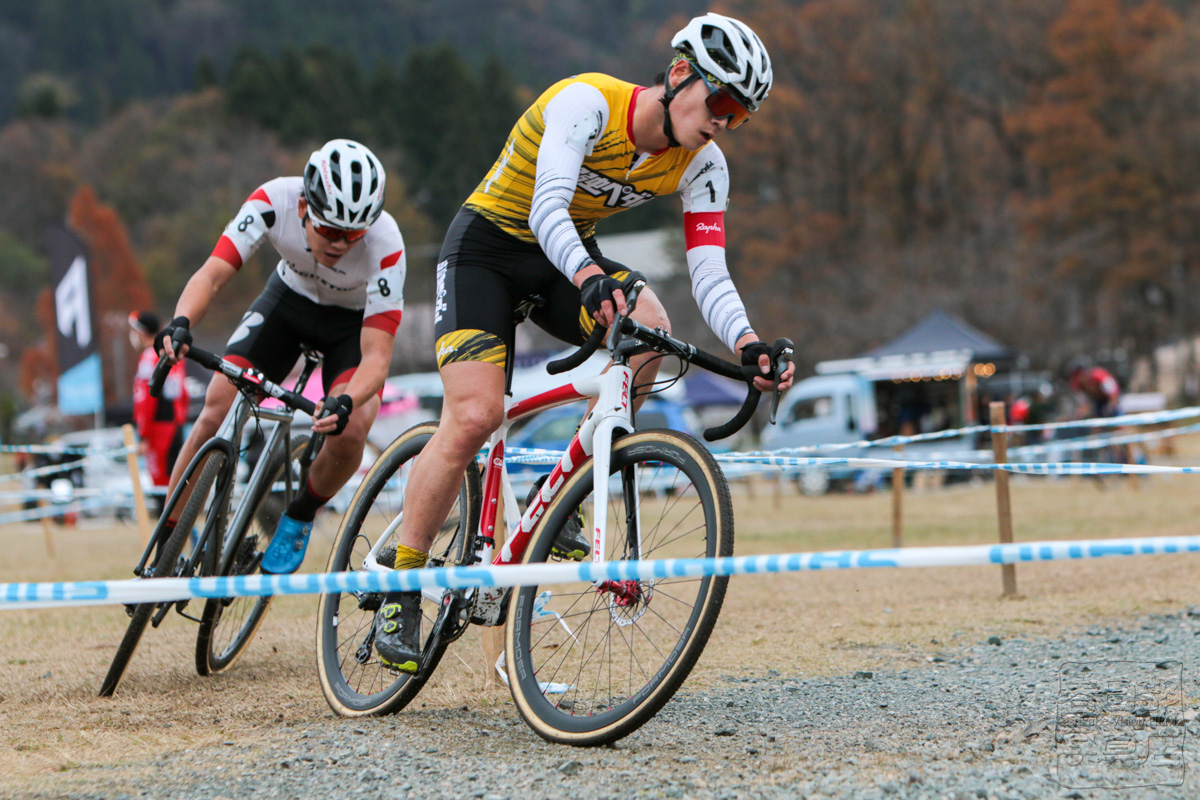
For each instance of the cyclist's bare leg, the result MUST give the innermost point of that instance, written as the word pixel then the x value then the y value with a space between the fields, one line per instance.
pixel 341 455
pixel 217 402
pixel 472 409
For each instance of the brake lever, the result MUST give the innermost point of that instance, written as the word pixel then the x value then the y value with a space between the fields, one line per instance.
pixel 781 356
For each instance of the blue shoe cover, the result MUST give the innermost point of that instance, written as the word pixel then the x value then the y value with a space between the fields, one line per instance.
pixel 286 551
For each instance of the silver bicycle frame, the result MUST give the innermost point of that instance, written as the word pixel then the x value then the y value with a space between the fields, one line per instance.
pixel 231 430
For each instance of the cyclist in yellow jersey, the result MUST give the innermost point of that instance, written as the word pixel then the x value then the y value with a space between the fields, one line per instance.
pixel 589 147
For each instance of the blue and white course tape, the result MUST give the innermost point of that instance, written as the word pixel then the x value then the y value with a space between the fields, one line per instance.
pixel 158 590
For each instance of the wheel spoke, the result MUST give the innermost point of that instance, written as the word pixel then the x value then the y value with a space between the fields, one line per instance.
pixel 353 686
pixel 598 663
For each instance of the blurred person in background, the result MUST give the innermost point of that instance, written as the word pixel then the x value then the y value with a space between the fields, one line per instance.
pixel 1098 395
pixel 1097 390
pixel 159 420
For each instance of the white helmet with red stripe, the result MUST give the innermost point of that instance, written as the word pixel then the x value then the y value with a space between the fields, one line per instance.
pixel 343 185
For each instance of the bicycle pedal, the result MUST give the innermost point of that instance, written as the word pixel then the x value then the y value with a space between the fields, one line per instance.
pixel 366 650
pixel 401 673
pixel 179 609
pixel 369 602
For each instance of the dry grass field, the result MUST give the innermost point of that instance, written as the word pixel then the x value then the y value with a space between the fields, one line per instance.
pixel 52 661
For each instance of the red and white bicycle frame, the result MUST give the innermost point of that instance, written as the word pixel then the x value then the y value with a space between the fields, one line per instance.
pixel 611 412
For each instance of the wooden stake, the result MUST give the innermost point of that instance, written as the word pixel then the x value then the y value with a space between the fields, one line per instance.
pixel 1008 572
pixel 898 502
pixel 139 497
pixel 47 529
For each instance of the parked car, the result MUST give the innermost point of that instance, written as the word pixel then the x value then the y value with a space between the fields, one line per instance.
pixel 553 429
pixel 836 409
pixel 110 475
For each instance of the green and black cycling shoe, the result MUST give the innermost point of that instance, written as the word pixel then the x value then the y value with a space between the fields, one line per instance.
pixel 398 631
pixel 571 543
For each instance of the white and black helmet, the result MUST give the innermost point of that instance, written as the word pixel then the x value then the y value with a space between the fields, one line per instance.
pixel 343 185
pixel 730 52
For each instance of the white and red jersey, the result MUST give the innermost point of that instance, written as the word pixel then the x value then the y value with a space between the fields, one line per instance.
pixel 369 277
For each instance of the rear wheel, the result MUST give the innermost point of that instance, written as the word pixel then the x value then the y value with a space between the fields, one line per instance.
pixel 591 663
pixel 209 467
pixel 228 624
pixel 353 679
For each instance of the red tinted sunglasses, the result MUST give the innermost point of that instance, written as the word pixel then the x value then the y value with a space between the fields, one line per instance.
pixel 334 234
pixel 721 103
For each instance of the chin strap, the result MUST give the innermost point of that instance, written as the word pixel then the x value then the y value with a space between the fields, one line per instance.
pixel 669 95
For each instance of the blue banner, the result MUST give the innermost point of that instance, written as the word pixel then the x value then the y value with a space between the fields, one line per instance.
pixel 81 389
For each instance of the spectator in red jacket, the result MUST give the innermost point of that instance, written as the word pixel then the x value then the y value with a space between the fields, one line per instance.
pixel 159 421
pixel 1097 389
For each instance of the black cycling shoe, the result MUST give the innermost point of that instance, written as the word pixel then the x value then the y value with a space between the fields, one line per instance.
pixel 398 631
pixel 571 543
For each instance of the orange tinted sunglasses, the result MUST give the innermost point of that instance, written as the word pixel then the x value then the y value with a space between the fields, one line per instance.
pixel 333 233
pixel 721 102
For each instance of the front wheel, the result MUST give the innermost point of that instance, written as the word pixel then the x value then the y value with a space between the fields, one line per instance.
pixel 229 623
pixel 166 565
pixel 353 679
pixel 591 663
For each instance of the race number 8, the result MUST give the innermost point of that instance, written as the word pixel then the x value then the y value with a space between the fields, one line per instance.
pixel 383 287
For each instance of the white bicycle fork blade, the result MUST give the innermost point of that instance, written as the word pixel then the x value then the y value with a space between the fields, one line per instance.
pixel 601 460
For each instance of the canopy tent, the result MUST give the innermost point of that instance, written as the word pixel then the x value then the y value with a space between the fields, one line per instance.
pixel 941 344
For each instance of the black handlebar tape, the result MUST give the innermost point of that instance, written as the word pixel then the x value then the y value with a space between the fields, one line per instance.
pixel 210 361
pixel 719 366
pixel 739 420
pixel 579 356
pixel 303 404
pixel 159 377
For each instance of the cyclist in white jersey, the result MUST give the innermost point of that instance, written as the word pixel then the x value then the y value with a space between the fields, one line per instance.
pixel 338 288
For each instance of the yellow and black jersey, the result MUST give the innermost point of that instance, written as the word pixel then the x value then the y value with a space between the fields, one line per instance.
pixel 612 178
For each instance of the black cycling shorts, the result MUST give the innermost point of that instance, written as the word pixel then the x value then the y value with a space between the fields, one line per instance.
pixel 280 322
pixel 484 274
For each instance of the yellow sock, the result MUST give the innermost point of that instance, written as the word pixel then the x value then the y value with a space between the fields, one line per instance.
pixel 410 558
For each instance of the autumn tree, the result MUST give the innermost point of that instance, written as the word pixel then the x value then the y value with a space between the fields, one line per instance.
pixel 1118 191
pixel 39 362
pixel 117 287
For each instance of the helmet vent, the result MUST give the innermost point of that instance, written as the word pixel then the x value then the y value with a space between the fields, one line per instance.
pixel 356 181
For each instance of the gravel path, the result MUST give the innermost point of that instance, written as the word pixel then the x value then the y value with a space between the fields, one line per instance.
pixel 1018 718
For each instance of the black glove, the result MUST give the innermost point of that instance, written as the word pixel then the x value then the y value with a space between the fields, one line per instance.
pixel 180 331
pixel 595 290
pixel 750 354
pixel 341 406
